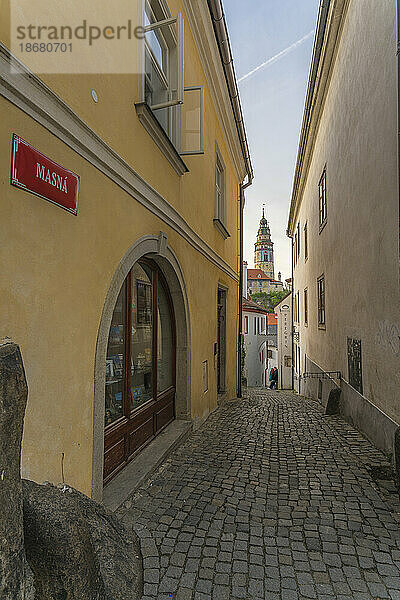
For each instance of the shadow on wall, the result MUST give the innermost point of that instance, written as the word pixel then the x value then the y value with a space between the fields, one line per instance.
pixel 355 408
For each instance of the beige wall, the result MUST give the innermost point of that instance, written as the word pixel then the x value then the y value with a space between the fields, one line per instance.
pixel 283 312
pixel 57 268
pixel 114 119
pixel 358 249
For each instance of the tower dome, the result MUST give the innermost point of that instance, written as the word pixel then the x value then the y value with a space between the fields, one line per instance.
pixel 264 249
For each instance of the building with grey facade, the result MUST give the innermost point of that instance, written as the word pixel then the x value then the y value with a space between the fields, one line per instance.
pixel 344 219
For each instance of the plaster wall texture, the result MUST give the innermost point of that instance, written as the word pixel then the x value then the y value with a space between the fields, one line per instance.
pixel 114 119
pixel 358 249
pixel 255 345
pixel 283 312
pixel 57 268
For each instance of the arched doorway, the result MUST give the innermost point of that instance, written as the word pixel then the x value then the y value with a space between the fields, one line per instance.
pixel 140 381
pixel 157 249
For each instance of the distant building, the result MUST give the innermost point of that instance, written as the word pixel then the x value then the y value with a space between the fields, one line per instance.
pixel 272 341
pixel 255 343
pixel 283 313
pixel 262 277
pixel 258 281
pixel 245 269
pixel 264 249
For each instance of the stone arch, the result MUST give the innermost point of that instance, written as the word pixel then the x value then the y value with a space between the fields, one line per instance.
pixel 156 248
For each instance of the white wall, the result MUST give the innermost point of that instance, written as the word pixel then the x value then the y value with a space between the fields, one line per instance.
pixel 358 249
pixel 245 294
pixel 255 346
pixel 284 314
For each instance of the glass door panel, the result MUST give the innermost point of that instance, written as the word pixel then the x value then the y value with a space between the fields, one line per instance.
pixel 165 342
pixel 115 363
pixel 142 336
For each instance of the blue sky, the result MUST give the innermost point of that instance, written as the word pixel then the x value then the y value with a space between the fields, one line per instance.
pixel 273 102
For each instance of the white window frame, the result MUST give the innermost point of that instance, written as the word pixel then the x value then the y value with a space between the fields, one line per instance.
pixel 197 88
pixel 306 241
pixel 323 215
pixel 220 210
pixel 321 296
pixel 178 38
pixel 160 10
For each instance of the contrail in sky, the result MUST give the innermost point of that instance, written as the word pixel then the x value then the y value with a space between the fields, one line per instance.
pixel 278 56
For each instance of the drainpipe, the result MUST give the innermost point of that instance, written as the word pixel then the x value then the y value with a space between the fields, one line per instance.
pixel 221 34
pixel 240 332
pixel 398 99
pixel 396 440
pixel 224 46
pixel 292 319
pixel 243 186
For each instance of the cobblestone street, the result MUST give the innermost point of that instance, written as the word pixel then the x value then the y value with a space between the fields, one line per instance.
pixel 270 499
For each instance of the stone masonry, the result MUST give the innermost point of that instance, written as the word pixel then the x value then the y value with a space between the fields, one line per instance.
pixel 273 500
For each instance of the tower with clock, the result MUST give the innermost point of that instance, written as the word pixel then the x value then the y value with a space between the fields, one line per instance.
pixel 264 249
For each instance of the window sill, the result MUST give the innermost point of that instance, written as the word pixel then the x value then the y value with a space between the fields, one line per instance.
pixel 322 226
pixel 221 228
pixel 157 133
pixel 322 327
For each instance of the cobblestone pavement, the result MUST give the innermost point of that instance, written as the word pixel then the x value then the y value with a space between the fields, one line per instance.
pixel 270 499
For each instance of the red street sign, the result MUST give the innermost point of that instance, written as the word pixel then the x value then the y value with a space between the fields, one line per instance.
pixel 36 173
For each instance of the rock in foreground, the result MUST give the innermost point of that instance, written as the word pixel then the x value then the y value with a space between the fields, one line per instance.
pixel 16 581
pixel 76 548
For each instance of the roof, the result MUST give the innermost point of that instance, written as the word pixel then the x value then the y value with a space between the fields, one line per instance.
pixel 221 34
pixel 254 274
pixel 287 299
pixel 250 305
pixel 329 27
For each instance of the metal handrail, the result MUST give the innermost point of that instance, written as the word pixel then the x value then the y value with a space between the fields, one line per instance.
pixel 324 375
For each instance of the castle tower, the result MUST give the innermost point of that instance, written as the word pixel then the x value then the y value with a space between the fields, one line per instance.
pixel 264 249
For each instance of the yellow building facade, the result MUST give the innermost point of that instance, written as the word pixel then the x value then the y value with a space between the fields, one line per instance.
pixel 150 262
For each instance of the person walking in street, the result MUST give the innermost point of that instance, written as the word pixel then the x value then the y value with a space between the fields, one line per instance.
pixel 271 378
pixel 275 376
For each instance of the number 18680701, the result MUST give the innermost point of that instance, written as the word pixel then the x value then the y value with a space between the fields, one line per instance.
pixel 45 47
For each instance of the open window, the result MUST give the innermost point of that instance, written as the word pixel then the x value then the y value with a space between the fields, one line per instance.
pixel 172 114
pixel 163 66
pixel 220 194
pixel 192 140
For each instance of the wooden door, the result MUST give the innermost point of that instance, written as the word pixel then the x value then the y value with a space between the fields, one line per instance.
pixel 140 366
pixel 221 340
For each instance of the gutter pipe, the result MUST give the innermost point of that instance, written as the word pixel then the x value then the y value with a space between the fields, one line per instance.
pixel 398 100
pixel 222 38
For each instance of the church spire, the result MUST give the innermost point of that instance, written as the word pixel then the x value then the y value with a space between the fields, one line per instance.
pixel 264 248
